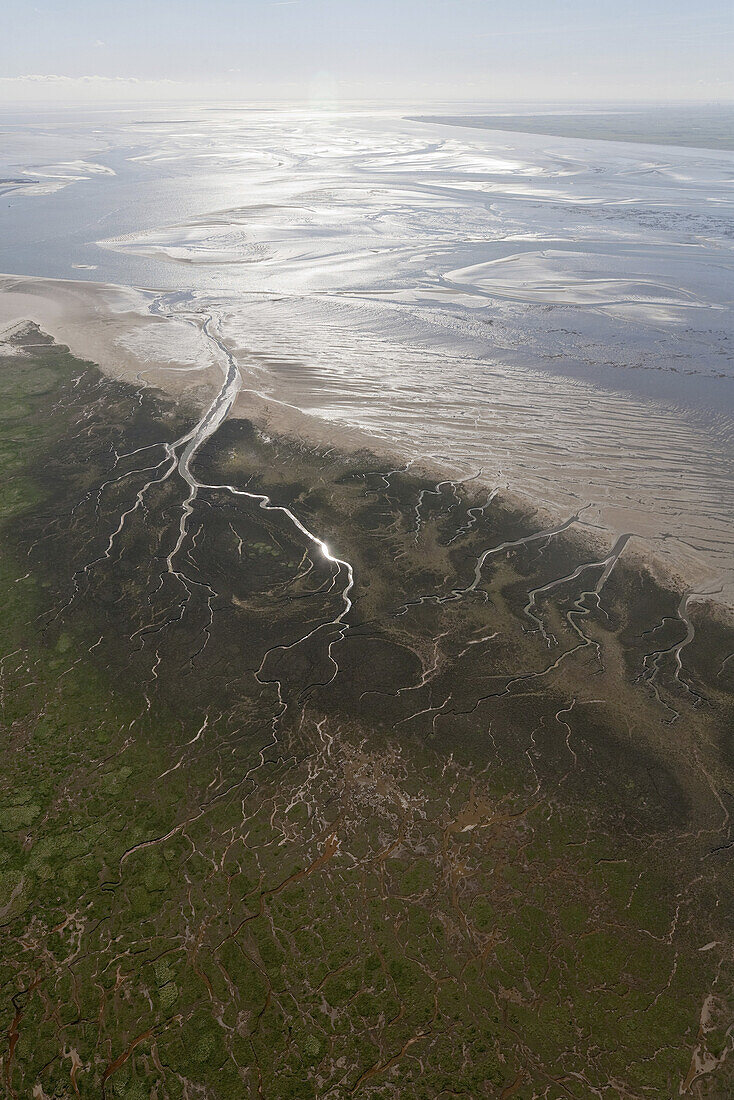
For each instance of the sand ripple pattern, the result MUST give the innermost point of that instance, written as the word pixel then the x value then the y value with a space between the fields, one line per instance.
pixel 555 312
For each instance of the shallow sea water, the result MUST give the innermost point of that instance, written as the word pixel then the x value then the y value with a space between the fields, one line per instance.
pixel 556 313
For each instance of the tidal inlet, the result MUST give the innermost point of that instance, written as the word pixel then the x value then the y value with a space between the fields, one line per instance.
pixel 366 553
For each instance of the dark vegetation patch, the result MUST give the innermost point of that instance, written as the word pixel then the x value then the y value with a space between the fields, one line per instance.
pixel 253 846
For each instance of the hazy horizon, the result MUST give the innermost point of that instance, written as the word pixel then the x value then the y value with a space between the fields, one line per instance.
pixel 338 51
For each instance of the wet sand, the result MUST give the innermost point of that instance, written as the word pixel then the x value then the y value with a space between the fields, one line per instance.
pixel 130 336
pixel 552 316
pixel 113 327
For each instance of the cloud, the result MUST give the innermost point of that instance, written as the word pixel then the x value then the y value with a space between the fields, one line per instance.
pixel 95 78
pixel 58 88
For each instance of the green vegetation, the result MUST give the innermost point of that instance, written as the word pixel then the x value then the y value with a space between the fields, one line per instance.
pixel 414 880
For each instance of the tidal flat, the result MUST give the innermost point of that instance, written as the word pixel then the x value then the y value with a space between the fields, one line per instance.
pixel 553 312
pixel 333 780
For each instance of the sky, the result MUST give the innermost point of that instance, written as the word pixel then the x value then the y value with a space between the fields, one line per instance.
pixel 390 50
